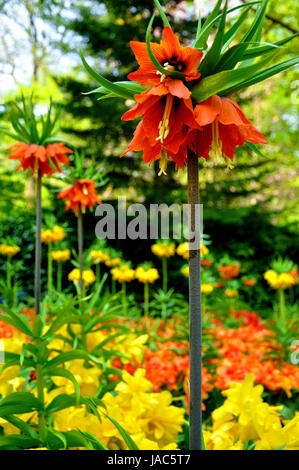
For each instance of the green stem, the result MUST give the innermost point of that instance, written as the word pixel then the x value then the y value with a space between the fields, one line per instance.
pixel 113 286
pixel 146 299
pixel 59 277
pixel 124 297
pixel 98 272
pixel 282 306
pixel 195 315
pixel 165 274
pixel 40 396
pixel 80 247
pixel 8 272
pixel 38 244
pixel 50 270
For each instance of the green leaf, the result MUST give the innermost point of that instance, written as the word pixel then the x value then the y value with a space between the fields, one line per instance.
pixel 162 14
pixel 19 402
pixel 58 323
pixel 200 42
pixel 208 64
pixel 17 442
pixel 18 322
pixel 126 437
pixel 118 90
pixel 96 443
pixel 264 74
pixel 233 31
pixel 201 39
pixel 20 424
pixel 133 87
pixel 234 57
pixel 255 149
pixel 227 79
pixel 70 356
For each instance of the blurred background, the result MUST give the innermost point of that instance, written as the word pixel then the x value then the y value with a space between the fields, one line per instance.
pixel 250 213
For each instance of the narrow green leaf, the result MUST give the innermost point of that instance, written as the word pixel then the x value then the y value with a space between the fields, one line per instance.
pixel 126 437
pixel 70 356
pixel 162 14
pixel 104 82
pixel 17 321
pixel 227 79
pixel 210 60
pixel 97 444
pixel 233 31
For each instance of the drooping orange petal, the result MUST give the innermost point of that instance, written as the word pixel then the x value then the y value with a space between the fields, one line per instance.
pixel 207 111
pixel 178 89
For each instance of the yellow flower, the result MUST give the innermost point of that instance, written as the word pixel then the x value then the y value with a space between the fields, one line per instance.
pixel 111 262
pixel 147 275
pixel 88 276
pixel 99 256
pixel 284 280
pixel 10 382
pixel 87 378
pixel 61 255
pixel 183 250
pixel 9 250
pixel 56 234
pixel 207 288
pixel 123 273
pixel 231 293
pixel 185 271
pixel 163 250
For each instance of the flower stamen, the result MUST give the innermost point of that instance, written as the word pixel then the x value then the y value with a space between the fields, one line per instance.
pixel 164 123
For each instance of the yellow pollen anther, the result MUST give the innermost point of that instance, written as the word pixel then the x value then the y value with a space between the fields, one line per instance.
pixel 216 147
pixel 164 123
pixel 163 162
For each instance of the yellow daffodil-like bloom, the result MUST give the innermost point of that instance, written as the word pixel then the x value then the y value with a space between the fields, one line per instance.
pixel 279 281
pixel 230 293
pixel 99 256
pixel 183 250
pixel 10 381
pixel 207 288
pixel 162 250
pixel 149 418
pixel 87 378
pixel 112 262
pixel 245 417
pixel 57 234
pixel 123 273
pixel 147 275
pixel 61 255
pixel 9 250
pixel 88 276
pixel 185 271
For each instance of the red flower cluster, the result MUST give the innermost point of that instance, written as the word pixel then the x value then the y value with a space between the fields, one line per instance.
pixel 38 157
pixel 6 331
pixel 79 196
pixel 170 125
pixel 229 271
pixel 246 349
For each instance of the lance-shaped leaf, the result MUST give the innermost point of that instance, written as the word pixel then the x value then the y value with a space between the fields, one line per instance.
pixel 233 31
pixel 17 442
pixel 203 34
pixel 200 42
pixel 233 58
pixel 217 83
pixel 132 87
pixel 60 372
pixel 126 437
pixel 207 66
pixel 111 87
pixel 162 14
pixel 264 74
